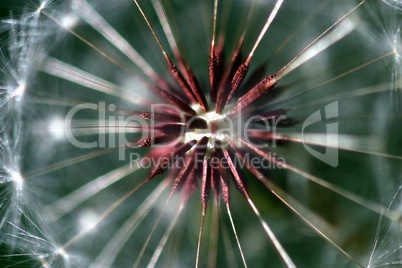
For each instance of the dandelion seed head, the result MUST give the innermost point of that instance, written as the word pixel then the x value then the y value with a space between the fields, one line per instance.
pixel 125 77
pixel 214 131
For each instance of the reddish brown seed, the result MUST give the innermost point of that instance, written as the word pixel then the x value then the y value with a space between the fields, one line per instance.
pixel 171 99
pixel 190 160
pixel 205 184
pixel 223 172
pixel 167 160
pixel 238 178
pixel 184 171
pixel 220 67
pixel 225 187
pixel 152 140
pixel 265 85
pixel 195 85
pixel 213 71
pixel 190 185
pixel 194 89
pixel 238 78
pixel 215 176
pixel 177 75
pixel 225 85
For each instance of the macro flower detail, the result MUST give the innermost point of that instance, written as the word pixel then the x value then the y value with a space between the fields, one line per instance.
pixel 221 133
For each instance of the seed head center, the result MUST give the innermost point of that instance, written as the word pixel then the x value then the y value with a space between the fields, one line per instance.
pixel 215 130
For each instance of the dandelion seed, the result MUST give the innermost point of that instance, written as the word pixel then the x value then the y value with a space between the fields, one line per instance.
pixel 164 112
